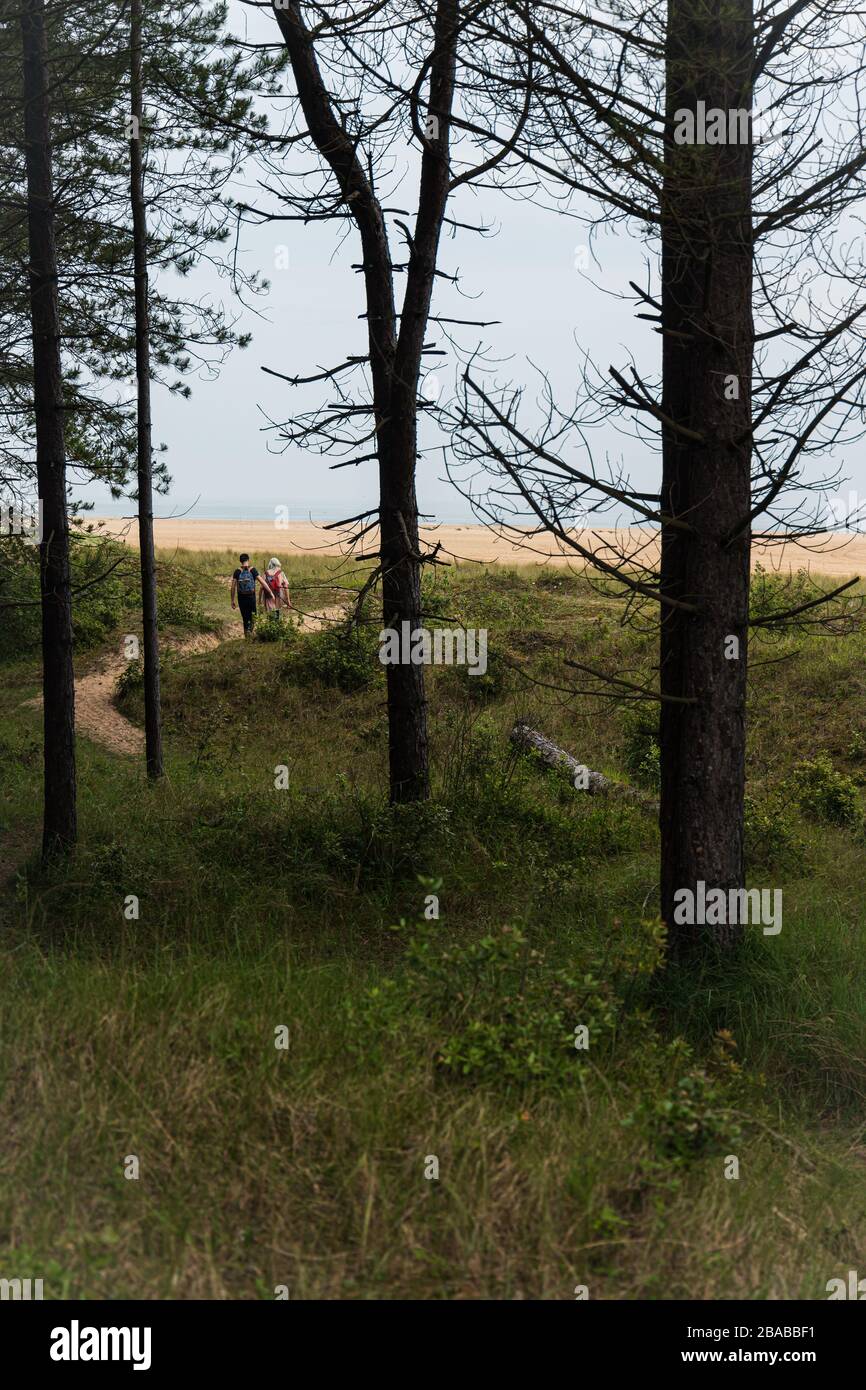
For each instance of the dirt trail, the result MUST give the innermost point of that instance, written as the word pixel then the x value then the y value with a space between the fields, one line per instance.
pixel 96 714
pixel 313 622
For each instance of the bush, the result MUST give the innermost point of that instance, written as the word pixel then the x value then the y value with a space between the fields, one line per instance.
pixel 771 840
pixel 775 593
pixel 20 628
pixel 131 679
pixel 96 611
pixel 343 656
pixel 21 632
pixel 505 1014
pixel 179 598
pixel 696 1115
pixel 438 593
pixel 494 683
pixel 477 598
pixel 393 841
pixel 501 597
pixel 856 750
pixel 269 627
pixel 824 793
pixel 640 750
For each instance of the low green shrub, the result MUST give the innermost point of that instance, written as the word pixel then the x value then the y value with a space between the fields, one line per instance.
pixel 505 1014
pixel 180 597
pixel 697 1114
pixel 270 627
pixel 771 838
pixel 640 748
pixel 482 688
pixel 102 589
pixel 343 656
pixel 856 750
pixel 824 793
pixel 772 592
pixel 105 574
pixel 131 680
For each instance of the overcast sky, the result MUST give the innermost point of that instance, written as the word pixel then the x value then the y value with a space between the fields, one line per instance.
pixel 551 313
pixel 221 449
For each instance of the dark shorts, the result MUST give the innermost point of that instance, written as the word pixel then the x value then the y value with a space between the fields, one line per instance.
pixel 248 612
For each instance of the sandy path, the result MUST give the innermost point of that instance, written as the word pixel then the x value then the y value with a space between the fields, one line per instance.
pixel 313 622
pixel 96 714
pixel 835 553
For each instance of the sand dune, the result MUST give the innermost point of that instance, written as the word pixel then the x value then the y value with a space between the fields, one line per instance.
pixel 835 553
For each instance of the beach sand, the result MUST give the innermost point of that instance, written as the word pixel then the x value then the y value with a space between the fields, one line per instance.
pixel 838 554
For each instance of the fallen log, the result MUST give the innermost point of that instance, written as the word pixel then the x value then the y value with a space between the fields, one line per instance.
pixel 581 777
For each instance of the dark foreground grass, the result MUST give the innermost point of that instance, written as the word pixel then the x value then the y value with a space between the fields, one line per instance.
pixel 287 1064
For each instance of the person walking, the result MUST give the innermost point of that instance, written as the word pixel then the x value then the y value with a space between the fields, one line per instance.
pixel 275 589
pixel 245 582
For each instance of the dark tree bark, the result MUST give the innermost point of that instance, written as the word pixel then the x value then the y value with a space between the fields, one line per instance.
pixel 152 712
pixel 707 357
pixel 58 683
pixel 398 516
pixel 395 357
pixel 736 424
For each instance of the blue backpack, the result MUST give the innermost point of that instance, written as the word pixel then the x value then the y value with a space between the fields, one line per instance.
pixel 246 583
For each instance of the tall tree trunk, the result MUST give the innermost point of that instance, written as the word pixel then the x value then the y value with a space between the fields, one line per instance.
pixel 152 712
pixel 395 386
pixel 409 777
pixel 58 683
pixel 407 703
pixel 707 365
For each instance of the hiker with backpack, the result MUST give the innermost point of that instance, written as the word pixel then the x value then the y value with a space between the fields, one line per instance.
pixel 245 582
pixel 275 589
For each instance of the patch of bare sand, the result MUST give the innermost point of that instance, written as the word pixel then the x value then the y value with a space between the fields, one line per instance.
pixel 834 553
pixel 314 622
pixel 96 714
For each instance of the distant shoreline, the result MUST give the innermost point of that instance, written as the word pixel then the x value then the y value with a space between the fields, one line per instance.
pixel 838 554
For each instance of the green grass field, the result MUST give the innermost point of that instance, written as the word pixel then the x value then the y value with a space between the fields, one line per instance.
pixel 305 917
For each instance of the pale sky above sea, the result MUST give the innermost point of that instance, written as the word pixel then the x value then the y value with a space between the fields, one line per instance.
pixel 556 303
